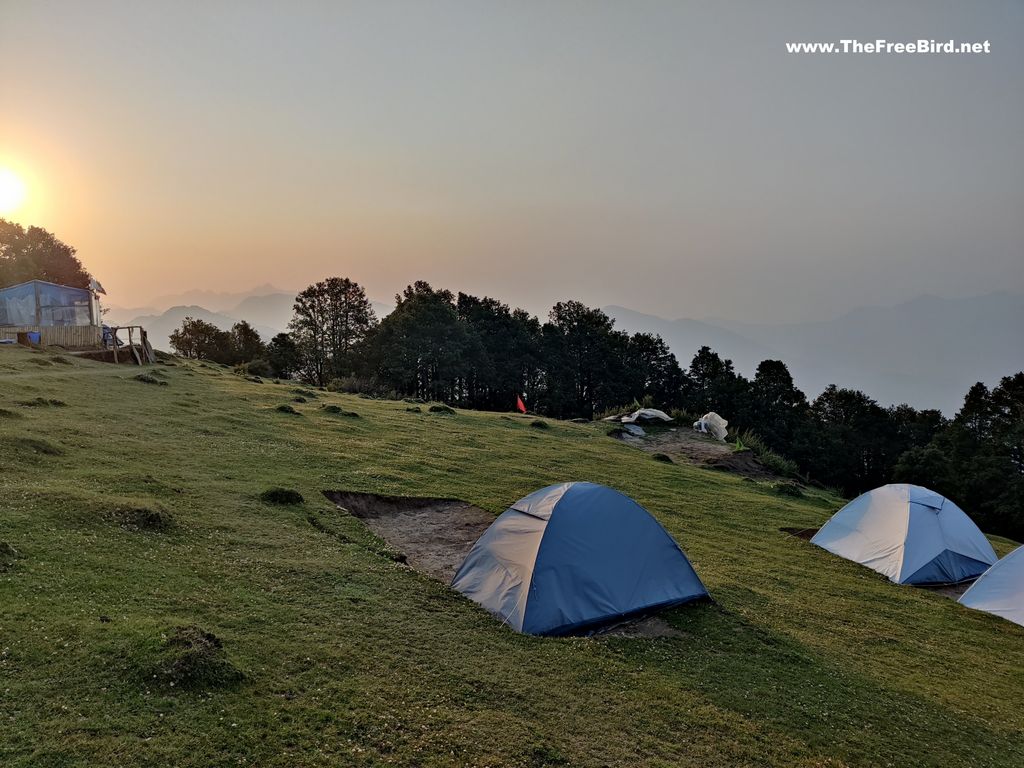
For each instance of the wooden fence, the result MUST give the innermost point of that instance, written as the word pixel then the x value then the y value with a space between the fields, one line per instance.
pixel 67 336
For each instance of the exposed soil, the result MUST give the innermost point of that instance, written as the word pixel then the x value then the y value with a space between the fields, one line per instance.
pixel 683 445
pixel 435 535
pixel 952 591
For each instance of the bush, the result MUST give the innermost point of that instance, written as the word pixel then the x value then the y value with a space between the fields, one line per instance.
pixel 281 496
pixel 792 490
pixel 256 368
pixel 772 461
pixel 357 385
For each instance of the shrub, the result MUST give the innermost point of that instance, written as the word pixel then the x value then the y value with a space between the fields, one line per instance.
pixel 792 490
pixel 357 385
pixel 772 461
pixel 256 368
pixel 281 496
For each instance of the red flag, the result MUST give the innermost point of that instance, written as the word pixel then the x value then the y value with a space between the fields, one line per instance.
pixel 520 405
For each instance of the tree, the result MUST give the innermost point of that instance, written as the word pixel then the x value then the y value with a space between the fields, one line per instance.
pixel 585 361
pixel 331 319
pixel 283 356
pixel 35 254
pixel 777 407
pixel 421 348
pixel 653 371
pixel 200 340
pixel 246 342
pixel 714 385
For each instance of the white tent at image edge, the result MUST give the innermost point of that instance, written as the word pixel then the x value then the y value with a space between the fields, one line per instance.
pixel 909 534
pixel 1000 589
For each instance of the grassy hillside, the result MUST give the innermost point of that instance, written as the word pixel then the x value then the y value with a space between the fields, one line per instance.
pixel 131 509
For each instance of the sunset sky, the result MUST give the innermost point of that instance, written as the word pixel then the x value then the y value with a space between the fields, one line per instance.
pixel 666 156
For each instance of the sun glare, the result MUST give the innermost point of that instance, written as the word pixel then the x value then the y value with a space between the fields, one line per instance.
pixel 12 192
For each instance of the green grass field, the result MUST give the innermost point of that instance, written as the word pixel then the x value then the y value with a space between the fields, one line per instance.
pixel 134 509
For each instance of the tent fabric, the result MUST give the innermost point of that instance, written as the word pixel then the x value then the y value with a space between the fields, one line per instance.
pixel 712 424
pixel 646 414
pixel 909 534
pixel 1000 590
pixel 570 557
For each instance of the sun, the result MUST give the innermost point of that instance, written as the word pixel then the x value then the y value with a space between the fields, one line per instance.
pixel 12 192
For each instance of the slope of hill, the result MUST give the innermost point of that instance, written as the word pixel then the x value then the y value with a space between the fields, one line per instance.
pixel 926 352
pixel 131 510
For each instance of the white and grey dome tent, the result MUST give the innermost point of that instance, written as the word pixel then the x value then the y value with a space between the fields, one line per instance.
pixel 910 534
pixel 1000 590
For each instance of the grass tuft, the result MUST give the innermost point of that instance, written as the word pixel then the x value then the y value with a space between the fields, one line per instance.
pixel 192 658
pixel 279 495
pixel 42 402
pixel 662 457
pixel 141 516
pixel 540 424
pixel 147 378
pixel 439 408
pixel 285 408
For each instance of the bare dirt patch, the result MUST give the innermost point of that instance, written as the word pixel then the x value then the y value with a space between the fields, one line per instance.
pixel 952 591
pixel 644 628
pixel 684 446
pixel 435 535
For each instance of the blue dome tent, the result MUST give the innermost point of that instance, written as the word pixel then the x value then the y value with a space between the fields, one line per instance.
pixel 570 557
pixel 909 534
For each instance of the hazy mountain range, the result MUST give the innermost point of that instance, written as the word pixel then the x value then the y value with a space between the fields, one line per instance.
pixel 926 352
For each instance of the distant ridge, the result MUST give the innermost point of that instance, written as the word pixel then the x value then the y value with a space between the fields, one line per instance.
pixel 926 352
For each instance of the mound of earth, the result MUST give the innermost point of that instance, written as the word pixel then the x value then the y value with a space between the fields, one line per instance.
pixel 683 445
